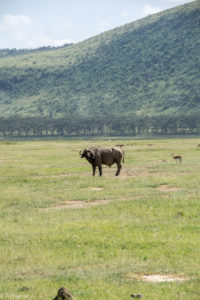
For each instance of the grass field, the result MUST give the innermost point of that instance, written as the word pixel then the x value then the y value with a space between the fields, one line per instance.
pixel 98 236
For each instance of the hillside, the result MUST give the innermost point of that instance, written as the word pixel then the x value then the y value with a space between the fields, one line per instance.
pixel 148 67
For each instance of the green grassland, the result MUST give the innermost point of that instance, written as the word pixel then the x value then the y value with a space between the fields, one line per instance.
pixel 98 235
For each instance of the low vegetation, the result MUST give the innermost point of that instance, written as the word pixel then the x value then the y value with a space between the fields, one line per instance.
pixel 100 237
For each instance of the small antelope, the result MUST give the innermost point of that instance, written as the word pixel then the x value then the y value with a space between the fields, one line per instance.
pixel 177 158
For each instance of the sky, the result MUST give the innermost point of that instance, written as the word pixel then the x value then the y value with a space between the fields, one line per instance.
pixel 37 23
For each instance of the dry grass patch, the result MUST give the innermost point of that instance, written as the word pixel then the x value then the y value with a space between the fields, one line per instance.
pixel 85 204
pixel 167 188
pixel 78 204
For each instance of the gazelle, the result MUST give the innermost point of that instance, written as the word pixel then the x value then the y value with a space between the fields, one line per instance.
pixel 177 158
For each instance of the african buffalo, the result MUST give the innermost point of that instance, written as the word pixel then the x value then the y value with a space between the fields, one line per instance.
pixel 98 156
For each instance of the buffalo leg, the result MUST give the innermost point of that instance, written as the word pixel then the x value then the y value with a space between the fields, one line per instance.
pixel 118 169
pixel 94 169
pixel 100 170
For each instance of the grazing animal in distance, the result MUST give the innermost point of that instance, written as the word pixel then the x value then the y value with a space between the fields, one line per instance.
pixel 177 158
pixel 98 156
pixel 63 294
pixel 198 146
pixel 120 145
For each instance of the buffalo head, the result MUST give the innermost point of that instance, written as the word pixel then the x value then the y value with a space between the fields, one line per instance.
pixel 88 154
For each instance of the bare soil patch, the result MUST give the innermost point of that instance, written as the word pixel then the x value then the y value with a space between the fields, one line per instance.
pixel 167 188
pixel 129 173
pixel 96 188
pixel 54 176
pixel 125 173
pixel 85 204
pixel 79 204
pixel 156 277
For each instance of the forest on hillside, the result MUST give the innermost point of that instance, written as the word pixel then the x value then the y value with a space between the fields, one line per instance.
pixel 148 67
pixel 142 78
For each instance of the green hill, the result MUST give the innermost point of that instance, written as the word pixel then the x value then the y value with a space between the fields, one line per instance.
pixel 148 67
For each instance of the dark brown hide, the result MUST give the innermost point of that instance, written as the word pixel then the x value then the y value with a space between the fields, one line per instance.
pixel 98 156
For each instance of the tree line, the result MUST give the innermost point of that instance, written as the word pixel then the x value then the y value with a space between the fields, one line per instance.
pixel 13 51
pixel 73 126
